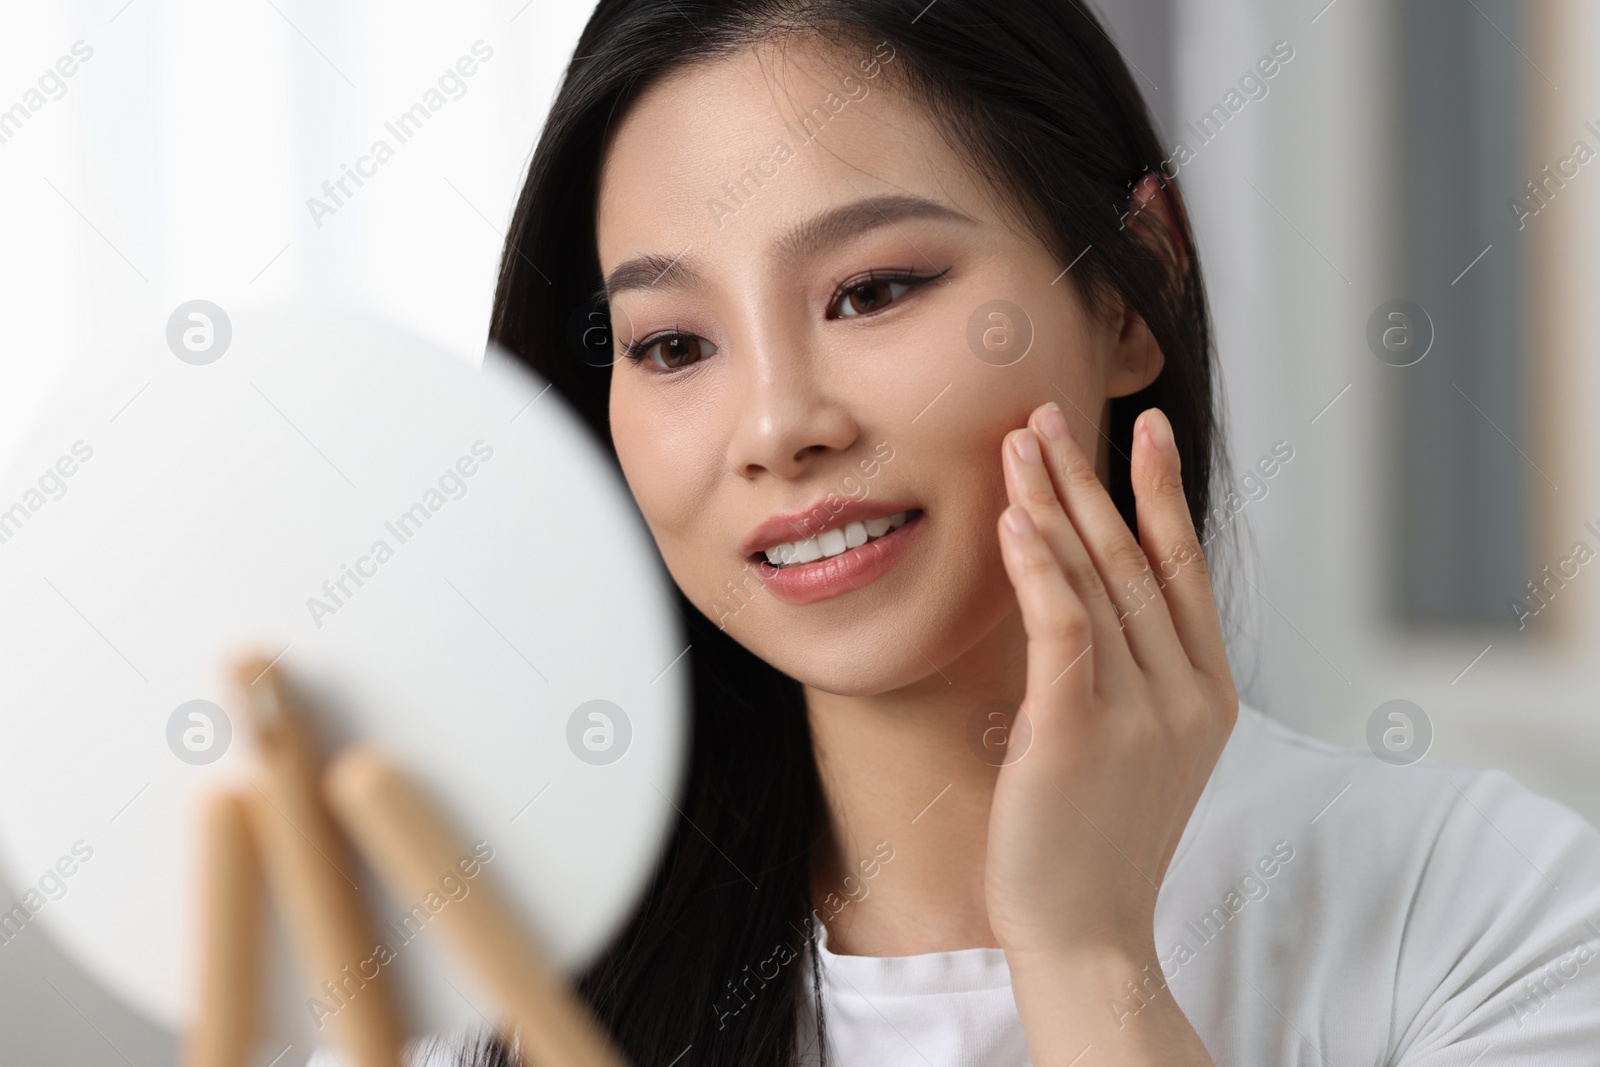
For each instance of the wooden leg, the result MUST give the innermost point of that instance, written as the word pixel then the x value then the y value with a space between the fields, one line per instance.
pixel 312 874
pixel 227 1023
pixel 407 839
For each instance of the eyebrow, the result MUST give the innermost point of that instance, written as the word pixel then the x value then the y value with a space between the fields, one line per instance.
pixel 829 228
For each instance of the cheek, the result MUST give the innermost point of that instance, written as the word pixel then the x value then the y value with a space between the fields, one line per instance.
pixel 968 425
pixel 673 474
pixel 946 410
pixel 656 460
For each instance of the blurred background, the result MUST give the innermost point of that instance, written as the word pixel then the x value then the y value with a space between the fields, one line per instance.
pixel 1400 228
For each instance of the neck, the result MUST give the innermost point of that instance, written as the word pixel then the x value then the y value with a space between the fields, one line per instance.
pixel 908 805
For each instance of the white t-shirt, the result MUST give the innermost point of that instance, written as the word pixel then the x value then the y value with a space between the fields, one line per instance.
pixel 1323 908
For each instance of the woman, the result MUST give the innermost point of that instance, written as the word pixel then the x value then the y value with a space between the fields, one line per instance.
pixel 910 374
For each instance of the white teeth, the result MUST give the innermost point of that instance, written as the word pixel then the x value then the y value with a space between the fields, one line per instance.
pixel 833 542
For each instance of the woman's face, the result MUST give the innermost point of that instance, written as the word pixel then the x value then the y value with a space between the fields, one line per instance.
pixel 818 355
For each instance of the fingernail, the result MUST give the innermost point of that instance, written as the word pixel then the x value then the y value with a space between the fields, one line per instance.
pixel 1159 429
pixel 1052 423
pixel 1026 446
pixel 1018 520
pixel 264 706
pixel 263 699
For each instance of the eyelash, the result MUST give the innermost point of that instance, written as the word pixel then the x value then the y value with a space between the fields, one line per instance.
pixel 637 350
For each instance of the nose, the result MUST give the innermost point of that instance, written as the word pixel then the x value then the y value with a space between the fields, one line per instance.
pixel 787 415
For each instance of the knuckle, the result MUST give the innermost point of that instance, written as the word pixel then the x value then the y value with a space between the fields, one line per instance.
pixel 1037 564
pixel 1041 498
pixel 1084 577
pixel 1143 730
pixel 1068 627
pixel 1186 557
pixel 1196 713
pixel 1167 478
pixel 1127 557
pixel 1078 472
pixel 1230 707
pixel 1197 562
pixel 1134 595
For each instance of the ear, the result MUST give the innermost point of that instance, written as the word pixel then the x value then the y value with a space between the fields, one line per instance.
pixel 1136 359
pixel 1153 215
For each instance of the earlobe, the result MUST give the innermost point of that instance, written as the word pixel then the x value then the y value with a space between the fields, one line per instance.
pixel 1137 360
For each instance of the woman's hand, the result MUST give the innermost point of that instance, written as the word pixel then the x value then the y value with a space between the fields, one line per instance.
pixel 1129 700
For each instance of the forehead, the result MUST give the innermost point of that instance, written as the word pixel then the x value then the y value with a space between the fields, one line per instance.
pixel 728 152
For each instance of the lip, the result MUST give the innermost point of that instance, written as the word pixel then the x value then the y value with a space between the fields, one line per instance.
pixel 809 522
pixel 807 583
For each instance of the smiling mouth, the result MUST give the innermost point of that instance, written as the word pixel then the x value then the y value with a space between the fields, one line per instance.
pixel 830 543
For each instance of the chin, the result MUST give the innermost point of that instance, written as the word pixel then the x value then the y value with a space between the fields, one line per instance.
pixel 893 641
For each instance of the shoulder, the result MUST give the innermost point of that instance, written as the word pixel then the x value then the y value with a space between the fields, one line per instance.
pixel 1455 902
pixel 1426 827
pixel 1441 813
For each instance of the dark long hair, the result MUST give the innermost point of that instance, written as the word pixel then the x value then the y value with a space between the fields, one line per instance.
pixel 1036 95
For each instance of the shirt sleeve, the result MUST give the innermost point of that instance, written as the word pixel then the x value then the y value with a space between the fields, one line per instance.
pixel 1500 958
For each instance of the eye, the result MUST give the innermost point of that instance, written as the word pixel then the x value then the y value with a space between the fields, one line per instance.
pixel 677 350
pixel 875 292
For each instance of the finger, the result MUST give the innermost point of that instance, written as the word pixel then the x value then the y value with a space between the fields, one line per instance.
pixel 1060 633
pixel 312 874
pixel 1128 577
pixel 1171 545
pixel 1029 485
pixel 411 844
pixel 227 1019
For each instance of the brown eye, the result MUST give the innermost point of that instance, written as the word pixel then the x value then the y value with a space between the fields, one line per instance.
pixel 676 350
pixel 870 296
